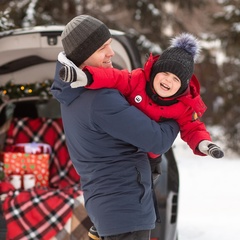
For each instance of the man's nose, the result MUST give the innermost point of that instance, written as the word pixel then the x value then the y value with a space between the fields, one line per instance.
pixel 110 52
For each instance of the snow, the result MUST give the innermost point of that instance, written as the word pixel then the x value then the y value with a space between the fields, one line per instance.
pixel 209 201
pixel 29 19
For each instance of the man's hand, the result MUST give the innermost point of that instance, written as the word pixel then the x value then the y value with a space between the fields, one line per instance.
pixel 210 149
pixel 71 73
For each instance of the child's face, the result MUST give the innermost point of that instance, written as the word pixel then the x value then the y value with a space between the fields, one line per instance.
pixel 166 84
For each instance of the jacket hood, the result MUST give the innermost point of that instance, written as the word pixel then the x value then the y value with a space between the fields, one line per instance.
pixel 192 97
pixel 148 65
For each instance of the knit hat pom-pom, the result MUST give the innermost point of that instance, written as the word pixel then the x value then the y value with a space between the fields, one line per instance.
pixel 187 42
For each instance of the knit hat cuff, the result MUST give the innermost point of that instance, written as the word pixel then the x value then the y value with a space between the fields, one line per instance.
pixel 175 67
pixel 94 41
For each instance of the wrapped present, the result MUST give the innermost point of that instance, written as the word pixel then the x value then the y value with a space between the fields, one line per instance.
pixel 18 163
pixel 35 148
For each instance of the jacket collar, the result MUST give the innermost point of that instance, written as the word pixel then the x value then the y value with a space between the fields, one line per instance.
pixel 148 65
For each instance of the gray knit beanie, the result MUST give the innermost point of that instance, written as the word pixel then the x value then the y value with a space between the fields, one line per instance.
pixel 178 59
pixel 82 36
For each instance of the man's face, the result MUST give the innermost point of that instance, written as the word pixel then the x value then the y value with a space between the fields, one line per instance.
pixel 102 57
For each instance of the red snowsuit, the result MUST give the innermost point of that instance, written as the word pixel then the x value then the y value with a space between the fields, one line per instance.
pixel 186 111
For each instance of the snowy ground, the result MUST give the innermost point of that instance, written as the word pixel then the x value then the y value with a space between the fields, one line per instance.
pixel 209 207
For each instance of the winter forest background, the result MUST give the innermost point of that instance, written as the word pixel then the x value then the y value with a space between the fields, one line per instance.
pixel 152 23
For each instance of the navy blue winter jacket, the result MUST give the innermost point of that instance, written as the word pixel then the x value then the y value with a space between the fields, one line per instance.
pixel 107 140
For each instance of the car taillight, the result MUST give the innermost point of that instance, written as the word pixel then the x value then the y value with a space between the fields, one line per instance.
pixel 154 238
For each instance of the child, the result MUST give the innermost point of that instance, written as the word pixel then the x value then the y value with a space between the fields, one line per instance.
pixel 164 89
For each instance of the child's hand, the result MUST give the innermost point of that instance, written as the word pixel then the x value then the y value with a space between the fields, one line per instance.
pixel 71 73
pixel 210 149
pixel 76 77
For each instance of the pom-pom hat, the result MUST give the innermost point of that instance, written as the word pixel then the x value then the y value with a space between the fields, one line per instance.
pixel 178 59
pixel 82 36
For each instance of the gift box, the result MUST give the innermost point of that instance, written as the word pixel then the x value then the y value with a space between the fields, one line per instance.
pixel 35 148
pixel 18 163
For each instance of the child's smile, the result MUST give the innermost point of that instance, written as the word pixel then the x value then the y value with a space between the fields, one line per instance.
pixel 166 84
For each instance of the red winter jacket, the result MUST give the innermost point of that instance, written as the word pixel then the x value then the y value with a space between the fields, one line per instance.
pixel 186 111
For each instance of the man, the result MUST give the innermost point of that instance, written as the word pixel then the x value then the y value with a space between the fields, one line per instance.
pixel 108 139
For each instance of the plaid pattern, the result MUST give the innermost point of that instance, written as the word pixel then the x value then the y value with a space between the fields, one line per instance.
pixel 45 213
pixel 50 131
pixel 77 226
pixel 39 213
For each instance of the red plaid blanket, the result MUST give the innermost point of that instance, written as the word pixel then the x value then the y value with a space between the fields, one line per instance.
pixel 50 131
pixel 39 213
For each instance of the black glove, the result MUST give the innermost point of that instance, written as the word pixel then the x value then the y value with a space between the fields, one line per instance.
pixel 155 164
pixel 215 151
pixel 210 149
pixel 71 73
